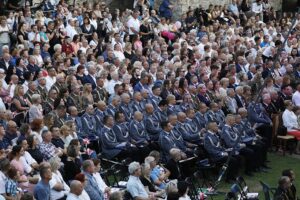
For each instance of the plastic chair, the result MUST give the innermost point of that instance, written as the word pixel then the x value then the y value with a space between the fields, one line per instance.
pixel 268 191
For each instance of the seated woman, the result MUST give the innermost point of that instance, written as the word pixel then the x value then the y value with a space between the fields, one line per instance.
pixel 102 185
pixel 72 164
pixel 290 121
pixel 33 150
pixel 58 187
pixel 146 181
pixel 156 175
pixel 16 161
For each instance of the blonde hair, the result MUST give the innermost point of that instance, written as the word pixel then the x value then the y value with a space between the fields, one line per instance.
pixel 17 89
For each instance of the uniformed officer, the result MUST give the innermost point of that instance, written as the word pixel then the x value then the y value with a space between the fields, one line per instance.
pixel 146 98
pixel 261 121
pixel 137 102
pixel 232 140
pixel 172 107
pixel 111 148
pixel 152 126
pixel 200 116
pixel 187 103
pixel 217 152
pixel 89 124
pixel 213 115
pixel 186 147
pixel 259 151
pixel 191 123
pixel 121 130
pixel 125 106
pixel 160 113
pixel 100 93
pixel 100 113
pixel 74 99
pixel 137 130
pixel 31 91
pixel 113 107
pixel 183 128
pixel 262 142
pixel 166 142
pixel 155 98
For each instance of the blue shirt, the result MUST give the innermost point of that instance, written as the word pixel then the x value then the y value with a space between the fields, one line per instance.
pixel 136 188
pixel 154 175
pixel 42 191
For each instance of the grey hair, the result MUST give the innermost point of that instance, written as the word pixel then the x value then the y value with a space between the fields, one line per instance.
pixel 35 98
pixel 149 159
pixel 133 167
pixel 54 163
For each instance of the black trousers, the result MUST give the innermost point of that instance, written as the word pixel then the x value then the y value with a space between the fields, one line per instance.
pixel 249 156
pixel 233 167
pixel 266 132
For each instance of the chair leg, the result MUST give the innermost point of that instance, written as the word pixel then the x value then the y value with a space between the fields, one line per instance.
pixel 284 146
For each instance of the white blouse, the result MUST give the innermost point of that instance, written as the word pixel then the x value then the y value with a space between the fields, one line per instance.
pixel 289 120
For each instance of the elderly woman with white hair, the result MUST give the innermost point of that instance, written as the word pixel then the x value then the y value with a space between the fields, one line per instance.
pixel 134 184
pixel 35 110
pixel 59 188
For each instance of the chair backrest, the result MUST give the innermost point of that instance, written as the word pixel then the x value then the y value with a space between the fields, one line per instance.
pixel 266 190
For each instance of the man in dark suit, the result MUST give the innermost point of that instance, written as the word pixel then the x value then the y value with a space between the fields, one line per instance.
pixel 240 101
pixel 90 78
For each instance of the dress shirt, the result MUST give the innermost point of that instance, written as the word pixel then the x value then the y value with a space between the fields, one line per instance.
pixel 72 196
pixel 57 178
pixel 296 98
pixel 136 188
pixel 101 184
pixel 47 149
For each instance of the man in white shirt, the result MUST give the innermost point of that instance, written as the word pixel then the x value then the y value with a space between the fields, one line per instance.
pixel 71 28
pixel 296 96
pixel 111 84
pixel 51 78
pixel 134 184
pixel 134 24
pixel 33 36
pixel 76 189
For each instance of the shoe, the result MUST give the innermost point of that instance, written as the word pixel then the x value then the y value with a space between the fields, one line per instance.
pixel 263 169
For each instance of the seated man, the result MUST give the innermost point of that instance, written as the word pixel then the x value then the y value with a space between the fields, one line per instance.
pixel 218 153
pixel 47 148
pixel 134 184
pixel 111 147
pixel 232 140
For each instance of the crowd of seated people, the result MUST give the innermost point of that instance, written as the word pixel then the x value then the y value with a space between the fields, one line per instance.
pixel 81 84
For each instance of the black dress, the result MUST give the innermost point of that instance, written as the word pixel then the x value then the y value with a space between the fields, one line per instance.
pixel 25 37
pixel 36 154
pixel 147 183
pixel 71 169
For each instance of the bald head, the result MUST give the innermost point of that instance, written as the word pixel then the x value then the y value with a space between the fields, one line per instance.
pixel 76 187
pixel 138 116
pixel 149 108
pixel 101 105
pixel 181 116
